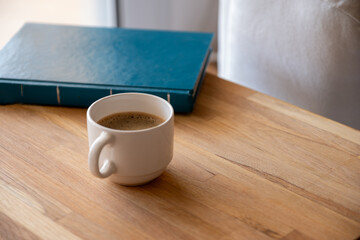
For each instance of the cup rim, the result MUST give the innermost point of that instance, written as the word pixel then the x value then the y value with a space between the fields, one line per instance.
pixel 89 118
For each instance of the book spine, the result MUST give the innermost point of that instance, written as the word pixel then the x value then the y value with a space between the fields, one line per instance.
pixel 81 96
pixel 10 92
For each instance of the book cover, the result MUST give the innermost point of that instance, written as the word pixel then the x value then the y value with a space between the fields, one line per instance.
pixel 74 66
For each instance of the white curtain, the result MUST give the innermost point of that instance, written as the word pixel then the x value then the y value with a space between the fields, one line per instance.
pixel 304 52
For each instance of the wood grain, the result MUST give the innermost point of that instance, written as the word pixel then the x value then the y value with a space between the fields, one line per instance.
pixel 295 235
pixel 13 230
pixel 245 166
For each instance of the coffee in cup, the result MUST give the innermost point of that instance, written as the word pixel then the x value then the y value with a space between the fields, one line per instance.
pixel 130 121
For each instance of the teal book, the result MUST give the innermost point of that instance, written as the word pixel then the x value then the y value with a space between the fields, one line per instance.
pixel 74 66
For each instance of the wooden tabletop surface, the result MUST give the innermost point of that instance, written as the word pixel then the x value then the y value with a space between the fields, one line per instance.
pixel 246 166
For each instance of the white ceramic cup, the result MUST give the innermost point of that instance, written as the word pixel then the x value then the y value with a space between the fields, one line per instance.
pixel 130 157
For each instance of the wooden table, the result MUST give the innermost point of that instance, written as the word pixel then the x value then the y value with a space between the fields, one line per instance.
pixel 246 166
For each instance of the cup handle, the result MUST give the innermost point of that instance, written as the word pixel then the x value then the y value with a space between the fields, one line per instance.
pixel 108 167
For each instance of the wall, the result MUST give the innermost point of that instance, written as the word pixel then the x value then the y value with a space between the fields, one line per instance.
pixel 14 13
